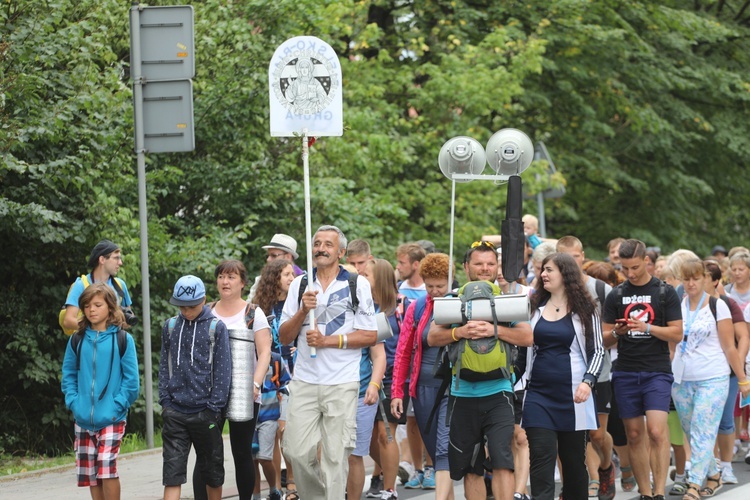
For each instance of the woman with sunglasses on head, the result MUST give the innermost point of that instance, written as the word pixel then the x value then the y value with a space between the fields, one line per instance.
pixel 563 368
pixel 701 368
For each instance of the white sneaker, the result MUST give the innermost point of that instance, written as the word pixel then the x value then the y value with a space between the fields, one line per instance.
pixel 727 475
pixel 388 495
pixel 405 471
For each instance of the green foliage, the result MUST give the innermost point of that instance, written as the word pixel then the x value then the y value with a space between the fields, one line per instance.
pixel 641 104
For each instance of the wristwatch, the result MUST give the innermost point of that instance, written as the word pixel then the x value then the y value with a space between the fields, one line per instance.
pixel 256 384
pixel 588 382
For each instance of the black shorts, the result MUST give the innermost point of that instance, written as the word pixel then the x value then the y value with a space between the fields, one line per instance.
pixel 603 397
pixel 473 419
pixel 387 406
pixel 202 430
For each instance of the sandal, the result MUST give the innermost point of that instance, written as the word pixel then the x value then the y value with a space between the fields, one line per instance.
pixel 292 495
pixel 627 483
pixel 594 488
pixel 709 491
pixel 692 492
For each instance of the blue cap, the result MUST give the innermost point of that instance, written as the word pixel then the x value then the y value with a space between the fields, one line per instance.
pixel 188 291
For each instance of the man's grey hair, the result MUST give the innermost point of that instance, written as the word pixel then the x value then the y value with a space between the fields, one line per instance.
pixel 342 238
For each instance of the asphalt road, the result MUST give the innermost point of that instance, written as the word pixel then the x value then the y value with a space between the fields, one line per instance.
pixel 141 479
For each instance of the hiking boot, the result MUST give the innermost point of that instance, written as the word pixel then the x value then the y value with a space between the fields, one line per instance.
pixel 607 488
pixel 428 482
pixel 415 483
pixel 388 495
pixel 405 470
pixel 376 484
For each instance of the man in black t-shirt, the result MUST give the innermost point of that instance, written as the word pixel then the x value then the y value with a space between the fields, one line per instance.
pixel 642 316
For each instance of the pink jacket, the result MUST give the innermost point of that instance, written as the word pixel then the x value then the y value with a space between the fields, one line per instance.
pixel 410 339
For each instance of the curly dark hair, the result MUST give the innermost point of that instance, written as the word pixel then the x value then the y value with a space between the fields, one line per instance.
pixel 269 286
pixel 576 293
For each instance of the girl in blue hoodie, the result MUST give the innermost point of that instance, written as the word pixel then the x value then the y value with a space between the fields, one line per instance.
pixel 100 381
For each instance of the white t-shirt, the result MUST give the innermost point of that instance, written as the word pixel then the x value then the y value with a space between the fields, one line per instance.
pixel 703 358
pixel 333 316
pixel 237 321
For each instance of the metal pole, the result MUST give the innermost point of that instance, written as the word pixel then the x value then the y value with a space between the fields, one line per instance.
pixel 542 222
pixel 140 150
pixel 308 227
pixel 450 245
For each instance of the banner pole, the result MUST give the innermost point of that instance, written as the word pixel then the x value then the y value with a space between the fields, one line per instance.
pixel 308 226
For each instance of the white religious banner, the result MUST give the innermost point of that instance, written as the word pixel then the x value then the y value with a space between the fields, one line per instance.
pixel 305 89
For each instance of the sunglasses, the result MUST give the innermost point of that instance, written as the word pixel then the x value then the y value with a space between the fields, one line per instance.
pixel 483 244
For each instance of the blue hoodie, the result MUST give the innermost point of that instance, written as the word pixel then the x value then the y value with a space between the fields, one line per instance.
pixel 188 390
pixel 98 364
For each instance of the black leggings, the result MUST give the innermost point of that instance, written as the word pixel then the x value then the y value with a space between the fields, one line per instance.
pixel 241 439
pixel 544 446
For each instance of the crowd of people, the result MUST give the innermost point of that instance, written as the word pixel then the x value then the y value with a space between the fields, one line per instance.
pixel 619 361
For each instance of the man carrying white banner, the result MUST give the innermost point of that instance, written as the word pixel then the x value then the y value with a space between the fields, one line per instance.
pixel 324 391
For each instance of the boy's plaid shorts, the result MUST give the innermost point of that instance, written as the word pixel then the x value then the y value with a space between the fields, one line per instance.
pixel 96 453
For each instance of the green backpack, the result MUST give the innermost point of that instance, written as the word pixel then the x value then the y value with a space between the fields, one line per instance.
pixel 483 359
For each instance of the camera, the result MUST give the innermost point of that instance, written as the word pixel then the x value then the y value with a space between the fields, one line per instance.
pixel 130 317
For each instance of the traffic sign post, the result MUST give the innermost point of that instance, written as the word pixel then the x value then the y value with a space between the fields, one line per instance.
pixel 162 62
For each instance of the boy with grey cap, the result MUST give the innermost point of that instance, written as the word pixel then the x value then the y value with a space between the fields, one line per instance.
pixel 194 376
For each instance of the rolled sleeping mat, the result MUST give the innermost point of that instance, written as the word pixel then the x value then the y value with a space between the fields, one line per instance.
pixel 509 308
pixel 242 346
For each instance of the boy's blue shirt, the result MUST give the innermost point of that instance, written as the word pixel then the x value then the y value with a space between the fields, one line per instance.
pixel 83 386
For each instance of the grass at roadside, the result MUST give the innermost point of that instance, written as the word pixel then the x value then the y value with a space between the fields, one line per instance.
pixel 10 464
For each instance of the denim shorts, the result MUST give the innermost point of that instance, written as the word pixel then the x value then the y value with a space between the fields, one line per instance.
pixel 639 392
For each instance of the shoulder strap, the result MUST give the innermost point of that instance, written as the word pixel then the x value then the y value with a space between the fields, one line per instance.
pixel 663 300
pixel 122 342
pixel 249 315
pixel 302 288
pixel 75 343
pixel 444 386
pixel 712 306
pixel 122 338
pixel 85 281
pixel 600 291
pixel 353 290
pixel 170 328
pixel 618 303
pixel 212 342
pixel 117 283
pixel 419 310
